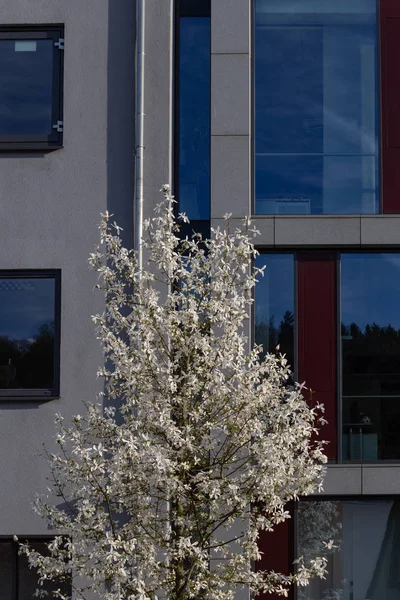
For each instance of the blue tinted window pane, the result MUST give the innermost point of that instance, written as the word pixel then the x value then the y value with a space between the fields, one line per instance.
pixel 194 117
pixel 316 107
pixel 26 80
pixel 370 295
pixel 274 304
pixel 27 311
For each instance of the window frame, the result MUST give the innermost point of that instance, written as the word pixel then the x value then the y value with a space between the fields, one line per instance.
pixel 295 251
pixel 381 123
pixel 329 498
pixel 186 8
pixel 55 139
pixel 6 539
pixel 42 394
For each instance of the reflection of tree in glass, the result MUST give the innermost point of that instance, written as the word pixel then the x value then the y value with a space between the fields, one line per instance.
pixel 318 524
pixel 366 353
pixel 28 363
pixel 270 336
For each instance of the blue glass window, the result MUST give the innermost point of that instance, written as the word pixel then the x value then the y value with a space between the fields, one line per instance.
pixel 370 331
pixel 31 61
pixel 29 333
pixel 316 107
pixel 194 117
pixel 274 304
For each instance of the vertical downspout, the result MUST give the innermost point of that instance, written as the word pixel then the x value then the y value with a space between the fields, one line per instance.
pixel 139 128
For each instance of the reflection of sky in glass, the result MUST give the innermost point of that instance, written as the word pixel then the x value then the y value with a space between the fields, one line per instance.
pixel 26 87
pixel 274 299
pixel 25 305
pixel 370 289
pixel 194 117
pixel 316 106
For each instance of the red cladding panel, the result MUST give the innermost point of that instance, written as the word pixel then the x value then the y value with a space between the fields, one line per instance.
pixel 278 552
pixel 390 82
pixel 317 333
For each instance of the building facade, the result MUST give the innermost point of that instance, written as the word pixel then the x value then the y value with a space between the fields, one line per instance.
pixel 283 109
pixel 64 66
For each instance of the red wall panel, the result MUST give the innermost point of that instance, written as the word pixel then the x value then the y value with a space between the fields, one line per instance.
pixel 317 334
pixel 390 90
pixel 278 552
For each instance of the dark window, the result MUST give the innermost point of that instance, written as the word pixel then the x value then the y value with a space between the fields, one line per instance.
pixel 31 61
pixel 29 333
pixel 192 185
pixel 274 304
pixel 316 108
pixel 370 293
pixel 17 580
pixel 365 560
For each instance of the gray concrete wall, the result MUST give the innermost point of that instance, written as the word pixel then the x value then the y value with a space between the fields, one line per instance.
pixel 50 205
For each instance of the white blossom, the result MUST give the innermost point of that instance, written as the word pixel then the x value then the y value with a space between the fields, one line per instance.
pixel 202 444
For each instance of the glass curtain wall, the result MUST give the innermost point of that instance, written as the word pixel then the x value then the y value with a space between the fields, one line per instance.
pixel 316 107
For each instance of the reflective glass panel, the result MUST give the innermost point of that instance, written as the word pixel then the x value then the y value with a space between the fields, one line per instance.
pixel 274 304
pixel 370 330
pixel 316 119
pixel 194 117
pixel 365 561
pixel 26 82
pixel 27 313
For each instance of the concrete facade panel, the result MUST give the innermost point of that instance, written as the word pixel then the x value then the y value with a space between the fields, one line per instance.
pixel 381 479
pixel 230 94
pixel 266 227
pixel 230 26
pixel 342 480
pixel 230 176
pixel 380 229
pixel 317 231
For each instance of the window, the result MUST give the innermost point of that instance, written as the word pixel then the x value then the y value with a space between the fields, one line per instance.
pixel 370 329
pixel 29 334
pixel 365 562
pixel 274 306
pixel 344 342
pixel 316 107
pixel 31 66
pixel 192 179
pixel 17 580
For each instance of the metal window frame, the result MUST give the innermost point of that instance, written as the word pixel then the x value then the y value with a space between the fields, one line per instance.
pixel 55 139
pixel 42 394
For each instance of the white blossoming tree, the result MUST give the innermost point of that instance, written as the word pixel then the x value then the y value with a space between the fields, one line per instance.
pixel 163 493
